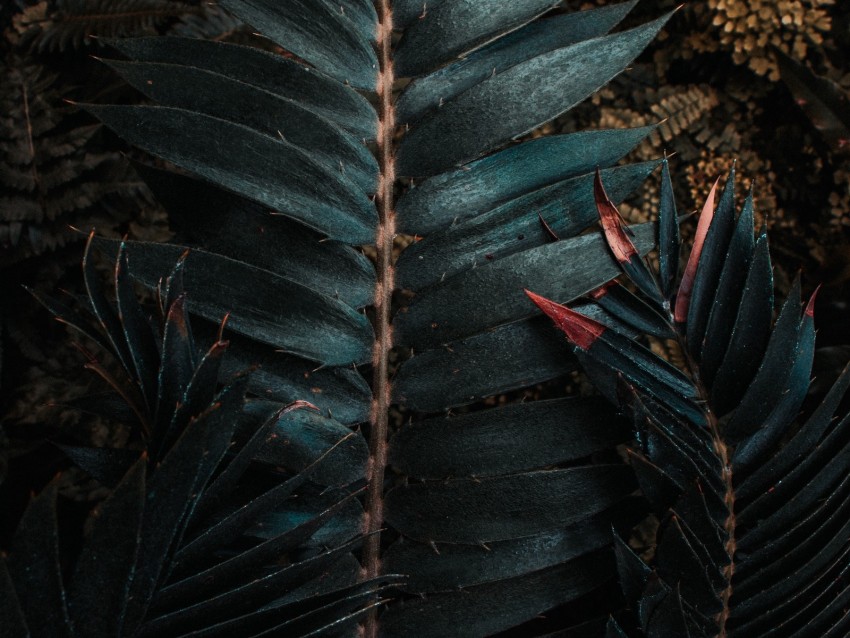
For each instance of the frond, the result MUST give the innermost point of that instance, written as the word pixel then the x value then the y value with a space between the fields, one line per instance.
pixel 203 531
pixel 752 501
pixel 281 192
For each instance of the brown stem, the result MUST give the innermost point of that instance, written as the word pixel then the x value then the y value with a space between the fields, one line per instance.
pixel 722 452
pixel 383 302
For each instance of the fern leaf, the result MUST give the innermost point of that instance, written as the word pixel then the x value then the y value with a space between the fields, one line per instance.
pixel 192 533
pixel 749 544
pixel 266 135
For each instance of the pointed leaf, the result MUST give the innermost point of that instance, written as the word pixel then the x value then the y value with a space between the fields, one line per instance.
pixel 461 511
pixel 221 97
pixel 461 566
pixel 432 90
pixel 175 374
pixel 341 393
pixel 263 306
pixel 708 272
pixel 508 358
pixel 108 557
pixel 247 162
pixel 618 238
pixel 103 309
pixel 489 609
pixel 137 329
pixel 271 72
pixel 316 31
pixel 456 308
pixel 33 565
pixel 565 208
pixel 752 451
pixel 637 364
pixel 668 235
pixel 730 288
pixel 750 332
pixel 450 29
pixel 228 479
pixel 771 379
pixel 227 224
pixel 496 179
pixel 509 439
pixel 620 302
pixel 800 445
pixel 515 101
pixel 300 437
pixel 106 465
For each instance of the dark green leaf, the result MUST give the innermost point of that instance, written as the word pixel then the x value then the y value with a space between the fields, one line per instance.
pixel 169 498
pixel 103 309
pixel 228 479
pixel 711 260
pixel 771 379
pixel 488 609
pixel 341 393
pixel 492 294
pixel 33 565
pixel 750 332
pixel 345 524
pixel 450 29
pixel 270 72
pixel 513 438
pixel 514 102
pixel 638 365
pixel 227 224
pixel 464 510
pixel 750 453
pixel 137 329
pixel 176 372
pixel 244 597
pixel 278 118
pixel 510 357
pixel 106 465
pixel 800 445
pixel 620 302
pixel 316 31
pixel 432 90
pixel 264 306
pixel 449 198
pixel 461 566
pixel 300 437
pixel 109 557
pixel 248 163
pixel 668 234
pixel 730 288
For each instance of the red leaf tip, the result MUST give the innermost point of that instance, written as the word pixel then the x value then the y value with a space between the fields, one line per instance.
pixel 810 307
pixel 580 330
pixel 616 232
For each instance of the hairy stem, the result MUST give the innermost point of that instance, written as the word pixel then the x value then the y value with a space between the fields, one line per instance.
pixel 722 452
pixel 383 303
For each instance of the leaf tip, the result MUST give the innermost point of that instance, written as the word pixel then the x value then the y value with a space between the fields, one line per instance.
pixel 582 331
pixel 810 307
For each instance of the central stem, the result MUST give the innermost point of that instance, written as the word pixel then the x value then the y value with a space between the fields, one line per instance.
pixel 722 452
pixel 383 305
